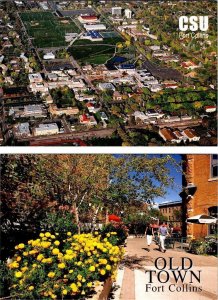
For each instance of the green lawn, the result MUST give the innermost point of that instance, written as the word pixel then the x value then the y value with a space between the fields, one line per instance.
pixel 46 29
pixel 94 52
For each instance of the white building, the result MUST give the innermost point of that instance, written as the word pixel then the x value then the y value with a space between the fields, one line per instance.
pixel 22 129
pixel 33 110
pixel 128 13
pixel 35 77
pixel 140 115
pixel 106 86
pixel 48 56
pixel 90 27
pixel 117 11
pixel 46 129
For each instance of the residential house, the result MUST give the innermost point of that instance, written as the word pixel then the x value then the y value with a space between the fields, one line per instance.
pixel 117 96
pixel 168 135
pixel 191 135
pixel 86 119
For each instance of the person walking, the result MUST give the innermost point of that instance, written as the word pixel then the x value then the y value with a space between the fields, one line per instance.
pixel 163 233
pixel 149 234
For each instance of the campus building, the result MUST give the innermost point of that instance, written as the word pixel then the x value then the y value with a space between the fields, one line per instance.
pixel 172 211
pixel 199 195
pixel 117 11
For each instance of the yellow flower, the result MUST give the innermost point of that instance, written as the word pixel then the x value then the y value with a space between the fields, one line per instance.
pixel 56 286
pixel 79 277
pixel 71 271
pixel 61 266
pixel 92 269
pixel 41 234
pixel 79 284
pixel 53 296
pixel 55 251
pixel 24 269
pixel 57 243
pixel 34 265
pixel 40 257
pixel 74 287
pixel 18 274
pixel 14 265
pixel 30 288
pixel 21 246
pixel 18 258
pixel 47 234
pixel 102 272
pixel 108 267
pixel 45 244
pixel 64 292
pixel 52 236
pixel 89 284
pixel 25 253
pixel 69 233
pixel 69 251
pixel 51 274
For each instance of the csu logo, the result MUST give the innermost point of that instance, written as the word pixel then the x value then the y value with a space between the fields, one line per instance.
pixel 193 23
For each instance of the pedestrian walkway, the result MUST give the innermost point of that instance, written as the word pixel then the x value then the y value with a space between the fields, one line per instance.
pixel 133 280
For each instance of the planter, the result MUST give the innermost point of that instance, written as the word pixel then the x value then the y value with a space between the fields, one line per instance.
pixel 103 290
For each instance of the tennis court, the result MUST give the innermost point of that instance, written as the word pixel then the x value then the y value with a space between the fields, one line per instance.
pixel 110 34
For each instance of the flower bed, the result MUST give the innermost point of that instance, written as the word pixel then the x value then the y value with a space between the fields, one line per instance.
pixel 49 268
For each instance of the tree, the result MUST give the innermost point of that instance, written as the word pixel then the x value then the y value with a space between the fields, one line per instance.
pixel 34 185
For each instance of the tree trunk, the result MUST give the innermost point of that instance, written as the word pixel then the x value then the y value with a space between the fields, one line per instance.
pixel 77 217
pixel 94 218
pixel 106 217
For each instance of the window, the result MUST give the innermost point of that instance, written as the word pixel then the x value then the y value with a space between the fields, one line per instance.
pixel 213 212
pixel 214 165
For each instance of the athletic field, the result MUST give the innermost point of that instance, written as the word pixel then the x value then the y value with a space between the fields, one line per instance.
pixel 47 30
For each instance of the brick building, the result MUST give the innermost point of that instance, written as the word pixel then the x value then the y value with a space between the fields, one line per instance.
pixel 172 211
pixel 199 195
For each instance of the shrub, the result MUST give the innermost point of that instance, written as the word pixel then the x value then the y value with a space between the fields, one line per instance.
pixel 51 268
pixel 121 233
pixel 4 279
pixel 203 246
pixel 60 222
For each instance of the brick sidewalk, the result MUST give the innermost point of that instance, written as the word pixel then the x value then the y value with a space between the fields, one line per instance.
pixel 138 259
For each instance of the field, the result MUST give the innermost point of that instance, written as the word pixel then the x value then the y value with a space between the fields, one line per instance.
pixel 47 30
pixel 94 52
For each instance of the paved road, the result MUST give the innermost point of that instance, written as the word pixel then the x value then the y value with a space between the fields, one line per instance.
pixel 83 135
pixel 132 276
pixel 77 66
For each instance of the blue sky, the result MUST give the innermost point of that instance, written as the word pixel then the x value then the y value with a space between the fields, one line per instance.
pixel 173 194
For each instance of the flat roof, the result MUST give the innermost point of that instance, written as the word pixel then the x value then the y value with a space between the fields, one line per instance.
pixel 172 203
pixel 77 12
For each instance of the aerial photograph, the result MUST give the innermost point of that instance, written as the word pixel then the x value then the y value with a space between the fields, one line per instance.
pixel 108 73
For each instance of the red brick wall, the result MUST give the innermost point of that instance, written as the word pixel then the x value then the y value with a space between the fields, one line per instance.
pixel 206 194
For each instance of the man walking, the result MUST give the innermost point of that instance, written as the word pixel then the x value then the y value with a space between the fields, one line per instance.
pixel 163 232
pixel 149 234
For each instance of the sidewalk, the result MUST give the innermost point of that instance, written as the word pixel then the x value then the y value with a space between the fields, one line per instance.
pixel 133 280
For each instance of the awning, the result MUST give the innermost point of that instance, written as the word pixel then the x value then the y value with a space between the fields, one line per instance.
pixel 202 219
